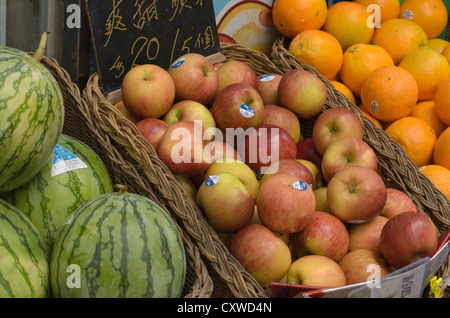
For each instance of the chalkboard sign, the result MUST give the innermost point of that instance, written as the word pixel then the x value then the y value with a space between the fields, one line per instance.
pixel 127 33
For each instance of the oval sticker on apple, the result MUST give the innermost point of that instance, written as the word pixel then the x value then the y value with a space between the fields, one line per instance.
pixel 246 111
pixel 178 62
pixel 266 77
pixel 212 180
pixel 300 185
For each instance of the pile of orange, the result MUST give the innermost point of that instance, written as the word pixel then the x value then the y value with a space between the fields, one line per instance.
pixel 386 57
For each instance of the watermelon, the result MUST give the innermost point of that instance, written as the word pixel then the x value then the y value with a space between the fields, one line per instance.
pixel 118 245
pixel 24 262
pixel 74 174
pixel 31 115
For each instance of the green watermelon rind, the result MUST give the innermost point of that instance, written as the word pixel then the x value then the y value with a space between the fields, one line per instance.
pixel 31 117
pixel 125 245
pixel 24 261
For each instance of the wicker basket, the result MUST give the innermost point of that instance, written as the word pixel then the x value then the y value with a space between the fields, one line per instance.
pixel 397 170
pixel 79 123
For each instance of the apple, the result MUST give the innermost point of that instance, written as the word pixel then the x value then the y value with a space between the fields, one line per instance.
pixel 152 129
pixel 284 118
pixel 335 124
pixel 262 254
pixel 302 92
pixel 187 184
pixel 321 200
pixel 238 106
pixel 356 194
pixel 347 152
pixel 219 151
pixel 234 71
pixel 182 148
pixel 195 78
pixel 125 112
pixel 324 235
pixel 239 169
pixel 315 171
pixel 285 203
pixel 367 235
pixel 265 146
pixel 307 151
pixel 289 166
pixel 148 90
pixel 268 88
pixel 226 202
pixel 407 238
pixel 397 202
pixel 286 237
pixel 191 110
pixel 316 270
pixel 362 266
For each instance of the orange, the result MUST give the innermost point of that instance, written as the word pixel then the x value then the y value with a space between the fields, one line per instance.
pixel 389 93
pixel 416 137
pixel 373 119
pixel 389 9
pixel 347 22
pixel 431 15
pixel 318 49
pixel 439 177
pixel 429 68
pixel 437 44
pixel 344 90
pixel 442 102
pixel 359 60
pixel 446 52
pixel 441 155
pixel 291 17
pixel 399 37
pixel 426 111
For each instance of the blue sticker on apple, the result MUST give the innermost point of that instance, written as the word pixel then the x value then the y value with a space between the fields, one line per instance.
pixel 300 185
pixel 212 180
pixel 178 62
pixel 266 77
pixel 246 111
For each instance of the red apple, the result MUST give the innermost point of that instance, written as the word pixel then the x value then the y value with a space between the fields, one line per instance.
pixel 181 148
pixel 367 235
pixel 307 151
pixel 316 270
pixel 284 118
pixel 226 201
pixel 302 92
pixel 148 90
pixel 335 124
pixel 347 152
pixel 324 235
pixel 238 106
pixel 315 171
pixel 265 146
pixel 234 71
pixel 356 194
pixel 285 204
pixel 264 255
pixel 407 238
pixel 152 129
pixel 195 78
pixel 397 202
pixel 289 166
pixel 363 266
pixel 191 110
pixel 268 88
pixel 219 151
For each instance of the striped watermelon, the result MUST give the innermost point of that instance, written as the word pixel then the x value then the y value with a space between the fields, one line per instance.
pixel 24 263
pixel 31 115
pixel 49 200
pixel 118 245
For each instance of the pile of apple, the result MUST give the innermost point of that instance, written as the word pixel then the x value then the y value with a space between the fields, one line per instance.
pixel 311 211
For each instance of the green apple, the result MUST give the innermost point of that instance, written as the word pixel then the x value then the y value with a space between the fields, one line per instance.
pixel 187 184
pixel 321 200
